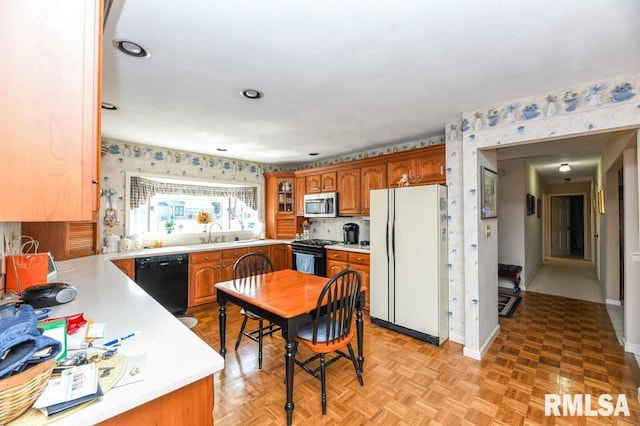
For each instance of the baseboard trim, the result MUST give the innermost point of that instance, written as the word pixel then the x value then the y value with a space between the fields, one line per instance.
pixel 613 302
pixel 633 348
pixel 478 354
pixel 458 338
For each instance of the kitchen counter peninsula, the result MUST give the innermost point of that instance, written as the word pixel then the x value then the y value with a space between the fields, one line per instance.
pixel 178 373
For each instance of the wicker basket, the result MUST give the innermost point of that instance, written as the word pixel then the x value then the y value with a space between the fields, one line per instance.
pixel 19 392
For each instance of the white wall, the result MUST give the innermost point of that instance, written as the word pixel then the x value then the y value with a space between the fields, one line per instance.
pixel 8 230
pixel 487 294
pixel 532 227
pixel 511 213
pixel 632 244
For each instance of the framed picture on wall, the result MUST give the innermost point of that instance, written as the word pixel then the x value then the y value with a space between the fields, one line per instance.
pixel 488 193
pixel 531 204
pixel 601 201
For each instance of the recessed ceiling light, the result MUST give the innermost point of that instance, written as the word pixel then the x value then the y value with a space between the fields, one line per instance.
pixel 252 94
pixel 221 149
pixel 564 167
pixel 313 154
pixel 108 106
pixel 131 48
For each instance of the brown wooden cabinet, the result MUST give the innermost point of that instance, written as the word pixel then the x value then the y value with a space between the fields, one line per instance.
pixel 50 110
pixel 360 262
pixel 280 215
pixel 427 167
pixel 229 257
pixel 355 179
pixel 300 192
pixel 324 182
pixel 337 260
pixel 204 272
pixel 354 186
pixel 65 240
pixel 281 256
pixel 126 266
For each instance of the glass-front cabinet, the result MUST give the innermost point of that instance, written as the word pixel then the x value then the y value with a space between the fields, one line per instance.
pixel 286 198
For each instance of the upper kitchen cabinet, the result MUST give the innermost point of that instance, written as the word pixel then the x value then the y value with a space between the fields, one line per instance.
pixel 50 109
pixel 354 186
pixel 425 167
pixel 324 182
pixel 280 215
pixel 300 188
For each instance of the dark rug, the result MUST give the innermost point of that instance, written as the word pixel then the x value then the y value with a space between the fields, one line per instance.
pixel 507 304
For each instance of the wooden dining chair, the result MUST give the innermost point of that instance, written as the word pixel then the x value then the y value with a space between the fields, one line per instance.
pixel 246 267
pixel 331 330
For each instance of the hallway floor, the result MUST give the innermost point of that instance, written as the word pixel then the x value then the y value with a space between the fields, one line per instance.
pixel 567 277
pixel 575 278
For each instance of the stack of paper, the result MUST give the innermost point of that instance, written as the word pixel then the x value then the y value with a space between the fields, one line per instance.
pixel 74 386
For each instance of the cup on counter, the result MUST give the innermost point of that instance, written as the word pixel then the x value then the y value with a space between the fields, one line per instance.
pixel 124 244
pixel 111 241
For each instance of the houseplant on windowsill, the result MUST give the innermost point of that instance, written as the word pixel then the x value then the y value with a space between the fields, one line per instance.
pixel 204 218
pixel 169 225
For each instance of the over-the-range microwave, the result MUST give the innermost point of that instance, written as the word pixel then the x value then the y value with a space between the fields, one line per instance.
pixel 321 205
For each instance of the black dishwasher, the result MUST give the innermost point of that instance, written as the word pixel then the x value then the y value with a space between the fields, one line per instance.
pixel 166 279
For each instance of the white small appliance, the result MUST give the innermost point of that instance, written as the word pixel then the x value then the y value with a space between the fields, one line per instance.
pixel 321 205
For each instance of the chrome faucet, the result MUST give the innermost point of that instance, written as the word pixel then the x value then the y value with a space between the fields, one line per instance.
pixel 211 226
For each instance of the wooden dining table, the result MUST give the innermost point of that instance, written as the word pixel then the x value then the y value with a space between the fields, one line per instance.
pixel 286 298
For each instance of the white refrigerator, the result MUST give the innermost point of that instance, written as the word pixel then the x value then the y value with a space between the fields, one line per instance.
pixel 409 273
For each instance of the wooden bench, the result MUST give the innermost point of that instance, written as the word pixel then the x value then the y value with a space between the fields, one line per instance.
pixel 512 272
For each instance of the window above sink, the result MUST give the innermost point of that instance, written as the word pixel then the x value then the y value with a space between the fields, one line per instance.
pixel 161 206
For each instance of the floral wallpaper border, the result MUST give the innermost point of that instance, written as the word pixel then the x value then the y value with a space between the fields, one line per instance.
pixel 600 94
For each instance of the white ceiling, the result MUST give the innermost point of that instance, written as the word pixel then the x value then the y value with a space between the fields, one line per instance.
pixel 344 76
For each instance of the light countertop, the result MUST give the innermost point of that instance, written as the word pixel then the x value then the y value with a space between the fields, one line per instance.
pixel 357 248
pixel 175 356
pixel 190 248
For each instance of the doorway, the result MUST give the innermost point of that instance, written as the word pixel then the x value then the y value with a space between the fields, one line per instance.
pixel 567 226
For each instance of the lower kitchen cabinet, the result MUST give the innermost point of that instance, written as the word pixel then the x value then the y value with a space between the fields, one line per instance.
pixel 126 266
pixel 204 272
pixel 337 260
pixel 281 256
pixel 229 257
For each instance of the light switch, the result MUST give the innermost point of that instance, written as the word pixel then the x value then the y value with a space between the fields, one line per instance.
pixel 487 231
pixel 635 256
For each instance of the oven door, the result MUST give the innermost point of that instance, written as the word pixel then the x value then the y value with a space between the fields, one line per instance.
pixel 319 264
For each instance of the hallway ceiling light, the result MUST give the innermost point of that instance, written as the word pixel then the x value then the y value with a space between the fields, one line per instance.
pixel 564 167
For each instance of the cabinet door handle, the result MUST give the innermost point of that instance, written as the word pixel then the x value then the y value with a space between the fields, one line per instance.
pixel 441 169
pixel 206 258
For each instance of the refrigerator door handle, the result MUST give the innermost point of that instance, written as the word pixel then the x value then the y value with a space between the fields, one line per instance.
pixel 393 253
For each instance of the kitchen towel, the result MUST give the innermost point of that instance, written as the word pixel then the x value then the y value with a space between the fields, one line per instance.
pixel 305 263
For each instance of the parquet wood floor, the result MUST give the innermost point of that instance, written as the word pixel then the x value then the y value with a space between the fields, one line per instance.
pixel 550 345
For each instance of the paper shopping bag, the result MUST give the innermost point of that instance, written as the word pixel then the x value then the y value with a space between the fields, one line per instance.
pixel 31 269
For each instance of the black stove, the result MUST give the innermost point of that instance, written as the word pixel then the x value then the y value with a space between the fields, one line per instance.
pixel 301 249
pixel 314 243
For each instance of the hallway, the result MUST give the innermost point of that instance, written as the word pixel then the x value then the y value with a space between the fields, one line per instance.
pixel 575 278
pixel 567 277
